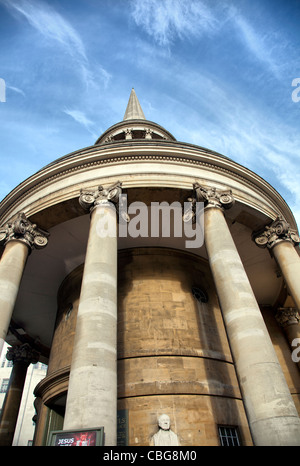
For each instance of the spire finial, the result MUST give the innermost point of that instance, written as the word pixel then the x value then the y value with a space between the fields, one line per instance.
pixel 134 110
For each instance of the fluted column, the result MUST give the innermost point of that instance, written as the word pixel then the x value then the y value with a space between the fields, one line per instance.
pixel 22 356
pixel 289 319
pixel 272 416
pixel 92 392
pixel 19 237
pixel 281 240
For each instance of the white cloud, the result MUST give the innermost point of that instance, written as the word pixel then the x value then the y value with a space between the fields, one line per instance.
pixel 54 27
pixel 238 128
pixel 166 20
pixel 15 89
pixel 82 119
pixel 269 46
pixel 49 23
pixel 270 152
pixel 169 20
pixel 284 162
pixel 260 46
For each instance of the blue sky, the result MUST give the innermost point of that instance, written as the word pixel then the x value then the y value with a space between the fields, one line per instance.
pixel 218 74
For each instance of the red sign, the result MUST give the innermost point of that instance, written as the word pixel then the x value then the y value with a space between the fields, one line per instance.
pixel 78 438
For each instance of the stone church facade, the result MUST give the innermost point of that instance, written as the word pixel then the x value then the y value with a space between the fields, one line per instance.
pixel 138 322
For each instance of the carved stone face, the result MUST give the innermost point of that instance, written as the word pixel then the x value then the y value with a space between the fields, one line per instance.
pixel 164 422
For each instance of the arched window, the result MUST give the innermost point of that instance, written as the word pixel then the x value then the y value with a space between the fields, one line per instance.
pixel 199 294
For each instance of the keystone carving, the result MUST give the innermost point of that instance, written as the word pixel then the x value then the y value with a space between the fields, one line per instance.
pixel 287 316
pixel 278 231
pixel 22 353
pixel 22 229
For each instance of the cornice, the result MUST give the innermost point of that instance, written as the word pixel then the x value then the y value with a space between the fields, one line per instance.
pixel 166 152
pixel 53 385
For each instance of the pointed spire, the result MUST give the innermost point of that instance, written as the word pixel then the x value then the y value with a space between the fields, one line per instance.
pixel 134 110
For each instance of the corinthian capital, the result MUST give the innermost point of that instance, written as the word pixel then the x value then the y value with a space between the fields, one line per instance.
pixel 22 353
pixel 278 231
pixel 21 229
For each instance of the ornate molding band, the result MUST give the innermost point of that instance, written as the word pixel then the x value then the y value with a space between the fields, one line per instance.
pixel 53 385
pixel 278 231
pixel 21 229
pixel 64 172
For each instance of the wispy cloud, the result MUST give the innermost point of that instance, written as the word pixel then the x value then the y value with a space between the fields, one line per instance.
pixel 49 23
pixel 260 143
pixel 54 27
pixel 82 119
pixel 253 135
pixel 267 48
pixel 15 89
pixel 170 19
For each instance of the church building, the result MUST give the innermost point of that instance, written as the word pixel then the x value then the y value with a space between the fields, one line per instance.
pixel 159 282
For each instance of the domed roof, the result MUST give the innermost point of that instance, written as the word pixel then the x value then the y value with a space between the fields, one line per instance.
pixel 134 126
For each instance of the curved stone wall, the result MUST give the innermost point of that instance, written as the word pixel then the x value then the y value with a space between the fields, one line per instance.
pixel 173 353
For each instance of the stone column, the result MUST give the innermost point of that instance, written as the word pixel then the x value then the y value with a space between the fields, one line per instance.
pixel 92 392
pixel 272 416
pixel 281 240
pixel 289 319
pixel 22 356
pixel 19 237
